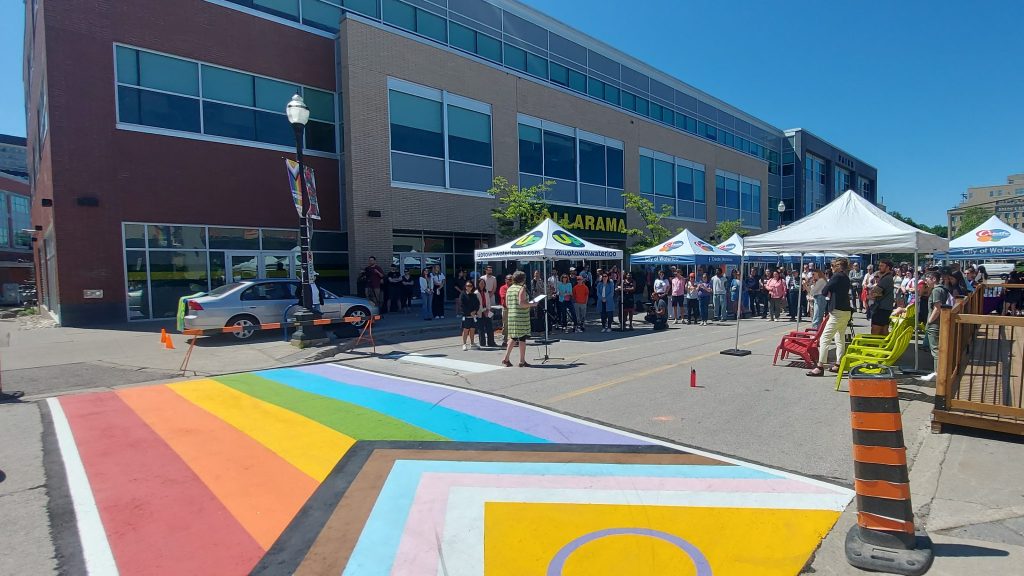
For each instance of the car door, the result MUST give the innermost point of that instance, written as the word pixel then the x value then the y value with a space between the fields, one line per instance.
pixel 333 307
pixel 268 300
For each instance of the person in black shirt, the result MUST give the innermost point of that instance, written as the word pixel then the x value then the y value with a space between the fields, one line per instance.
pixel 885 299
pixel 394 289
pixel 838 291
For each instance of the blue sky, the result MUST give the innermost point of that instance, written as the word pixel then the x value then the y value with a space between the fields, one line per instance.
pixel 929 92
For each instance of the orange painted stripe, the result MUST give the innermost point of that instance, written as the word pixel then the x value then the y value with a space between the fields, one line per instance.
pixel 873 522
pixel 271 326
pixel 260 489
pixel 321 321
pixel 882 489
pixel 193 332
pixel 880 422
pixel 880 455
pixel 873 388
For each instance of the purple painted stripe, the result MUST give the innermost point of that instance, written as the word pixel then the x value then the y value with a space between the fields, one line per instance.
pixel 516 416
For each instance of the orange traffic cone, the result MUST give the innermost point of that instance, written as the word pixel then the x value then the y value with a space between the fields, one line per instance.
pixel 163 336
pixel 168 344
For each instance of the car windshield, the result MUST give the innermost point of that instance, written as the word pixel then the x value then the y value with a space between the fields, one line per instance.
pixel 224 289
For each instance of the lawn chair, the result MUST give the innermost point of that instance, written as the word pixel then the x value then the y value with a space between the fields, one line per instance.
pixel 886 357
pixel 883 341
pixel 803 344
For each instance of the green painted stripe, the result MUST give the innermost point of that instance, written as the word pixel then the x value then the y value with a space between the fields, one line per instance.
pixel 350 419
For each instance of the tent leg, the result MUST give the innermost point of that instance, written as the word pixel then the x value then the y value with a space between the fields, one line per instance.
pixel 800 294
pixel 735 350
pixel 916 370
pixel 547 338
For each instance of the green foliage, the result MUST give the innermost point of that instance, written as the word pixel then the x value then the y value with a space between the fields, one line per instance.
pixel 653 232
pixel 973 217
pixel 519 209
pixel 724 230
pixel 942 231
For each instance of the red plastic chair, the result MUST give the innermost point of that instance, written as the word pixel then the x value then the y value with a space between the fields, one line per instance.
pixel 803 344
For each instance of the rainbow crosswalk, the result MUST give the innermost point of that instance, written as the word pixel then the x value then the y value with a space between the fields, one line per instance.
pixel 204 476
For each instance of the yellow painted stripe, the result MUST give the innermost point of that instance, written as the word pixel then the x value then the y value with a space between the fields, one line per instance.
pixel 304 443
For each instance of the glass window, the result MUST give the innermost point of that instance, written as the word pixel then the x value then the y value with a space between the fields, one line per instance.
pixel 646 175
pixel 462 37
pixel 227 86
pixel 698 186
pixel 592 163
pixel 284 8
pixel 515 57
pixel 274 129
pixel 127 66
pixel 234 238
pixel 668 116
pixel 21 221
pixel 628 100
pixel 218 275
pixel 329 241
pixel 559 156
pixel 611 94
pixel 273 95
pixel 663 179
pixel 136 276
pixel 332 271
pixel 432 26
pixel 367 7
pixel 641 105
pixel 416 125
pixel 531 154
pixel 134 236
pixel 319 136
pixel 577 81
pixel 614 167
pixel 559 74
pixel 320 103
pixel 684 183
pixel 400 14
pixel 280 239
pixel 168 74
pixel 321 15
pixel 469 136
pixel 536 65
pixel 732 193
pixel 745 197
pixel 175 274
pixel 187 237
pixel 655 111
pixel 157 109
pixel 595 88
pixel 229 121
pixel 488 47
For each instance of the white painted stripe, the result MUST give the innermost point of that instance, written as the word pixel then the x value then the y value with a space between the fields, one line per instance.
pixel 849 494
pixel 442 362
pixel 463 539
pixel 99 559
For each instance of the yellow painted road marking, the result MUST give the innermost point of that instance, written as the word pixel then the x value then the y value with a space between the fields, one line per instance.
pixel 636 375
pixel 305 443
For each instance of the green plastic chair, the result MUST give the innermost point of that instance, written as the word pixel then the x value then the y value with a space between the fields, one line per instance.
pixel 881 342
pixel 887 357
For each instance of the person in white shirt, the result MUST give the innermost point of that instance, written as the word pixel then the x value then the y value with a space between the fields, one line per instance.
pixel 718 295
pixel 426 295
pixel 661 285
pixel 437 280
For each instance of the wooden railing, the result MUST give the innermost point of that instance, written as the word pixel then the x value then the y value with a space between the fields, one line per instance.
pixel 980 374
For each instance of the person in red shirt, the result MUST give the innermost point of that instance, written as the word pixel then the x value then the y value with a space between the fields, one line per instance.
pixel 580 297
pixel 504 312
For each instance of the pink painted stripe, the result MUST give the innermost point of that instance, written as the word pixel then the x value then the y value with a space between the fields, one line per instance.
pixel 418 553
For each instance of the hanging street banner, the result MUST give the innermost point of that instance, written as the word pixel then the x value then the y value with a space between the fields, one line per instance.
pixel 296 186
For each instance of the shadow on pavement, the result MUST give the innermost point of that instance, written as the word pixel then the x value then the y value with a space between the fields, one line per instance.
pixel 966 551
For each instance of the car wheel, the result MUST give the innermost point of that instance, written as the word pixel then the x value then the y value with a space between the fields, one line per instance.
pixel 248 324
pixel 358 312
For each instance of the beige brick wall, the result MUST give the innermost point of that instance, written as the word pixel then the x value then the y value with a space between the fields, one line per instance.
pixel 370 55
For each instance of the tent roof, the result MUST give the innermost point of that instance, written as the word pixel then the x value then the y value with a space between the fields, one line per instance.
pixel 548 240
pixel 847 224
pixel 684 248
pixel 735 245
pixel 992 238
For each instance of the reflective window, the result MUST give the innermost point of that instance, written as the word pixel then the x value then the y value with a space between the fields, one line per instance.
pixel 21 220
pixel 577 81
pixel 531 153
pixel 646 176
pixel 157 109
pixel 559 156
pixel 469 136
pixel 431 25
pixel 416 125
pixel 536 65
pixel 233 238
pixel 663 180
pixel 228 86
pixel 168 74
pixel 229 121
pixel 515 57
pixel 592 163
pixel 400 14
pixel 288 9
pixel 614 167
pixel 137 276
pixel 321 15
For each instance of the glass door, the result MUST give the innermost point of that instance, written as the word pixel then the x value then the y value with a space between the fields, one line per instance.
pixel 242 266
pixel 279 264
pixel 251 265
pixel 414 262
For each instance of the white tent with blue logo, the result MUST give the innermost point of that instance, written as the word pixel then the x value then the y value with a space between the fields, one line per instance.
pixel 684 248
pixel 735 245
pixel 548 241
pixel 993 239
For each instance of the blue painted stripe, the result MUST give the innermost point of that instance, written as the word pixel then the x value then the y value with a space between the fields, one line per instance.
pixel 374 553
pixel 449 423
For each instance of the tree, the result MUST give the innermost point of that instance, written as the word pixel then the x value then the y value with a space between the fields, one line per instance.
pixel 724 230
pixel 653 232
pixel 519 209
pixel 938 230
pixel 973 217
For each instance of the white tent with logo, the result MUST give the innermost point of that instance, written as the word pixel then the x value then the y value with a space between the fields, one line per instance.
pixel 993 239
pixel 547 241
pixel 735 245
pixel 684 248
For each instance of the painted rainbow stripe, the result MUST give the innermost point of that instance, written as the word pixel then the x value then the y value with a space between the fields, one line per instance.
pixel 203 476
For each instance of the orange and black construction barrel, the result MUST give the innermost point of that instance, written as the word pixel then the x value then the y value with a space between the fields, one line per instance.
pixel 884 538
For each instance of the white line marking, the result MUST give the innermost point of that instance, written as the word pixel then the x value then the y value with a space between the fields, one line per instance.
pixel 442 362
pixel 99 559
pixel 731 460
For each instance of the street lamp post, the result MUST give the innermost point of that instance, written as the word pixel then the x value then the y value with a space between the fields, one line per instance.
pixel 304 336
pixel 782 209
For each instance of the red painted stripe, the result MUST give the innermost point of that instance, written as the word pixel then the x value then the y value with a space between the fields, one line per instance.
pixel 159 516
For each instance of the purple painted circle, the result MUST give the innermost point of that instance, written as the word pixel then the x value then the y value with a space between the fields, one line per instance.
pixel 558 562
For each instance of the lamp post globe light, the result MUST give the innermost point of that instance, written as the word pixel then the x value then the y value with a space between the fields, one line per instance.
pixel 304 336
pixel 782 209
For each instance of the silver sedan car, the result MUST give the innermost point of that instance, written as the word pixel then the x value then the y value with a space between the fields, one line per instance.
pixel 252 302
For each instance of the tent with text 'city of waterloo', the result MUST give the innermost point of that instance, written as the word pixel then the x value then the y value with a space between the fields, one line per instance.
pixel 684 248
pixel 993 239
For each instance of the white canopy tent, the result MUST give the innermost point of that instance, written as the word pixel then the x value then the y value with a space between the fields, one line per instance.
pixel 547 241
pixel 684 248
pixel 735 245
pixel 847 224
pixel 993 239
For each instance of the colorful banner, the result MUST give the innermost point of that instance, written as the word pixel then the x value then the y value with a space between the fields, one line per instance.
pixel 296 186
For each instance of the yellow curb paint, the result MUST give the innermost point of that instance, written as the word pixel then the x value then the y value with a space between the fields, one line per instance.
pixel 636 375
pixel 304 443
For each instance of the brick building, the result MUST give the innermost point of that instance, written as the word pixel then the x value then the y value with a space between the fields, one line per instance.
pixel 177 111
